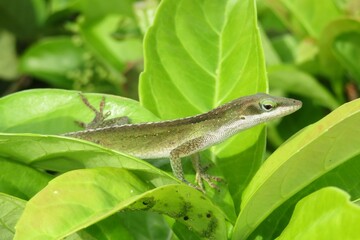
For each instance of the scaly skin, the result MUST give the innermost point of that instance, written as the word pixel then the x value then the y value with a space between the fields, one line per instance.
pixel 182 137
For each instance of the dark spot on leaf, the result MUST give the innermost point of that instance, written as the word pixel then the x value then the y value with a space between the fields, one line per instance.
pixel 144 204
pixel 208 215
pixel 186 218
pixel 185 208
pixel 211 228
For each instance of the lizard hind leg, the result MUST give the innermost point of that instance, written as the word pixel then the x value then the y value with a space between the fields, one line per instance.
pixel 202 175
pixel 100 119
pixel 192 148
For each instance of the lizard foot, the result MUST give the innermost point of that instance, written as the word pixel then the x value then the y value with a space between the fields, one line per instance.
pixel 100 116
pixel 100 119
pixel 201 174
pixel 196 186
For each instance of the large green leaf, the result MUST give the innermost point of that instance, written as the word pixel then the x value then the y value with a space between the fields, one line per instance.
pixel 325 214
pixel 62 154
pixel 199 54
pixel 325 153
pixel 75 200
pixel 61 208
pixel 202 65
pixel 10 210
pixel 19 180
pixel 54 111
pixel 187 206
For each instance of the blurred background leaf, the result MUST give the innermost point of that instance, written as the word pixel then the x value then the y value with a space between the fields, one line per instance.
pixel 82 45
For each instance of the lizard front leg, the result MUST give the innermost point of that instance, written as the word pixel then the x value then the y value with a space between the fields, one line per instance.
pixel 100 119
pixel 191 147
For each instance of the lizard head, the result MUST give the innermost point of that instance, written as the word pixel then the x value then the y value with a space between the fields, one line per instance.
pixel 255 109
pixel 262 107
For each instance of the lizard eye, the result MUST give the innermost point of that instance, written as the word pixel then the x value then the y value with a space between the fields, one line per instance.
pixel 267 105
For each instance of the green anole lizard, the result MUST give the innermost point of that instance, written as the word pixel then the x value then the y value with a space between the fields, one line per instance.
pixel 183 137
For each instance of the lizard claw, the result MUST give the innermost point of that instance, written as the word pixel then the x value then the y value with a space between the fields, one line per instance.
pixel 196 186
pixel 100 116
pixel 100 119
pixel 202 176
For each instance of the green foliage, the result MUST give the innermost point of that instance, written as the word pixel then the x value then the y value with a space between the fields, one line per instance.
pixel 318 156
pixel 199 70
pixel 198 55
pixel 324 208
pixel 72 212
pixel 322 39
pixel 11 210
pixel 51 58
pixel 84 45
